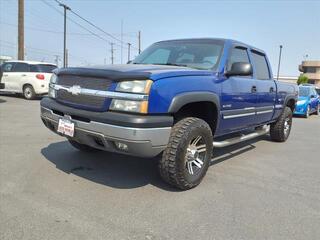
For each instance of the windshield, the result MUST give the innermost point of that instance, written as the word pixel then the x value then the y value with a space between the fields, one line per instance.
pixel 195 54
pixel 44 68
pixel 304 91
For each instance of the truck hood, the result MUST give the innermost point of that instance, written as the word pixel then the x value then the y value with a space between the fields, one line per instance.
pixel 133 71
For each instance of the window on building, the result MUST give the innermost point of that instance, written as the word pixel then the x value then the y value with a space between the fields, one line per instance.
pixel 260 63
pixel 310 70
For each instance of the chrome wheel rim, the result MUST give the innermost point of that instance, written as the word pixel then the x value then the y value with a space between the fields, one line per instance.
pixel 27 93
pixel 195 155
pixel 287 125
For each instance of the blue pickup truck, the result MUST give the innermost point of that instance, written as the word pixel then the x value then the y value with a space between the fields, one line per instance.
pixel 178 98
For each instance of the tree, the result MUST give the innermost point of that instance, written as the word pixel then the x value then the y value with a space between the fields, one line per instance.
pixel 302 79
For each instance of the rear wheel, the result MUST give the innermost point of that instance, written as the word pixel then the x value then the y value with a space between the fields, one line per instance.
pixel 29 93
pixel 187 157
pixel 82 147
pixel 280 130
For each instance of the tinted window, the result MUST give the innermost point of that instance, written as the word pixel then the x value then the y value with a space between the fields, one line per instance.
pixel 261 66
pixel 238 55
pixel 318 91
pixel 191 53
pixel 21 67
pixel 7 67
pixel 44 68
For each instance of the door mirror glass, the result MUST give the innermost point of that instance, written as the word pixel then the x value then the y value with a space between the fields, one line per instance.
pixel 240 69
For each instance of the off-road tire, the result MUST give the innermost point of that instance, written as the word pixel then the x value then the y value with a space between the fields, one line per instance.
pixel 29 93
pixel 172 165
pixel 82 147
pixel 277 129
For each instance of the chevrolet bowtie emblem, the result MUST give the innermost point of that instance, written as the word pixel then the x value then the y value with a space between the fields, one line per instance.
pixel 75 90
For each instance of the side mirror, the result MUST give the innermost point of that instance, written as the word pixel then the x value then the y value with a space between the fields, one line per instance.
pixel 240 69
pixel 312 96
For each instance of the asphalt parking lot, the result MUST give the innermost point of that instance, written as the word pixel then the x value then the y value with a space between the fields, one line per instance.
pixel 254 190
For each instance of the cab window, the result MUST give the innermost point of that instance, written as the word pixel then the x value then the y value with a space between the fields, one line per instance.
pixel 21 67
pixel 237 55
pixel 261 66
pixel 7 67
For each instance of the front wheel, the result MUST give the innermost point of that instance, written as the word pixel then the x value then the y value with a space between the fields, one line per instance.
pixel 318 109
pixel 280 130
pixel 307 112
pixel 187 157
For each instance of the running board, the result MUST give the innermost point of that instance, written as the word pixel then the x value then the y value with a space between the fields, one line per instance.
pixel 242 138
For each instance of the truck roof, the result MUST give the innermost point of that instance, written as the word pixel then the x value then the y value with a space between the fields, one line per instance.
pixel 225 40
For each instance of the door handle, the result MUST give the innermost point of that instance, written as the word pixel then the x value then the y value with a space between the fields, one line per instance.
pixel 5 75
pixel 23 75
pixel 254 89
pixel 271 89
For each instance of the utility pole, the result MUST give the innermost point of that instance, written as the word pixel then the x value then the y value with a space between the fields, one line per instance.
pixel 65 7
pixel 112 52
pixel 121 40
pixel 56 60
pixel 21 30
pixel 279 62
pixel 129 47
pixel 139 41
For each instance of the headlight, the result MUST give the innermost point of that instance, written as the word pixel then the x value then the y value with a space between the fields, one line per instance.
pixel 53 79
pixel 301 102
pixel 52 92
pixel 129 106
pixel 136 86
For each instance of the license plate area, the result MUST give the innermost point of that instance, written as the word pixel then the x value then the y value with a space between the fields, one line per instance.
pixel 66 127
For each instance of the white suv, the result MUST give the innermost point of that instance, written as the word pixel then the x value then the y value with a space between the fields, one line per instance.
pixel 27 77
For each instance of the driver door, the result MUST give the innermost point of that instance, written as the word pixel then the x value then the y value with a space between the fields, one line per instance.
pixel 238 98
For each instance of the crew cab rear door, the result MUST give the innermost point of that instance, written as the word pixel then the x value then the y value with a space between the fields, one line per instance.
pixel 238 96
pixel 266 87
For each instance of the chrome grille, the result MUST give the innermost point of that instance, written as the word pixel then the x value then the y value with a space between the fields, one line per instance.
pixel 84 82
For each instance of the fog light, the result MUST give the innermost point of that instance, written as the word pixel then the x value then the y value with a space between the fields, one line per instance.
pixel 121 146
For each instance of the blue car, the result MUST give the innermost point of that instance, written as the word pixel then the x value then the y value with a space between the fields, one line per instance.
pixel 308 101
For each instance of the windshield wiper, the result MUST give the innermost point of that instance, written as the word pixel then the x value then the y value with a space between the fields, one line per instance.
pixel 170 64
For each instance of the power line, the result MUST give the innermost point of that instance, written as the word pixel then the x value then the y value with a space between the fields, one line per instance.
pixel 95 26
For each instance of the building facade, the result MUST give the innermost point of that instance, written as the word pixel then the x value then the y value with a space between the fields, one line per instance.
pixel 312 70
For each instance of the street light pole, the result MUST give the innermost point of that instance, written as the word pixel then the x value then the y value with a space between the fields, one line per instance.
pixel 279 62
pixel 65 7
pixel 129 49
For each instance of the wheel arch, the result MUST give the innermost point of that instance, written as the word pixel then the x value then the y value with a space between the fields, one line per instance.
pixel 204 105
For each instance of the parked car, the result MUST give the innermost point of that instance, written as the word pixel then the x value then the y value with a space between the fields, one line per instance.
pixel 308 101
pixel 26 77
pixel 176 99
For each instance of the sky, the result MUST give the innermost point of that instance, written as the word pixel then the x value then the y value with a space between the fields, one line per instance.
pixel 263 24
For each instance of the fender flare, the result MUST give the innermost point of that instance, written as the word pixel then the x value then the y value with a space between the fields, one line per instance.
pixel 192 97
pixel 182 99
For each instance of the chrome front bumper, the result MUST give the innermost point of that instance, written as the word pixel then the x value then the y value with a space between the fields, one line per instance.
pixel 142 142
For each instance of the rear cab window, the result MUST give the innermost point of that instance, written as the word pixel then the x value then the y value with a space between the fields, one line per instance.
pixel 261 65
